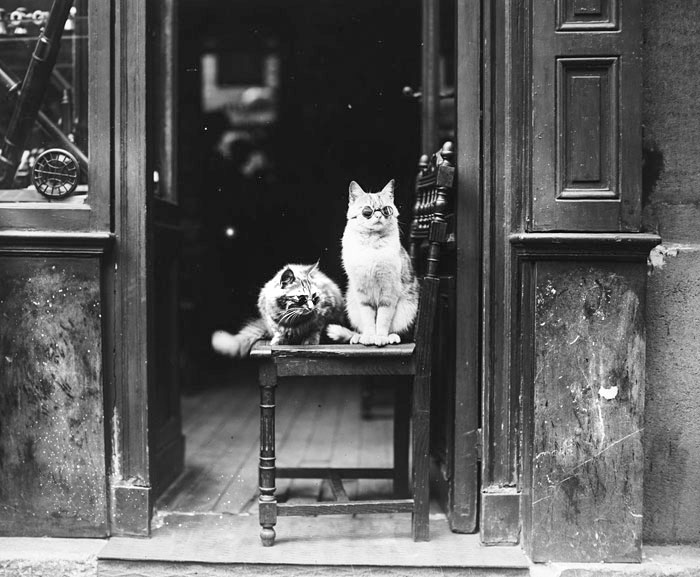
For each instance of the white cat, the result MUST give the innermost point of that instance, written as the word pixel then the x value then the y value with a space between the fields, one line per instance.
pixel 382 294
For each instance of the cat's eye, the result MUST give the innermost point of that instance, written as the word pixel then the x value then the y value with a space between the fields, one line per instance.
pixel 368 211
pixel 314 298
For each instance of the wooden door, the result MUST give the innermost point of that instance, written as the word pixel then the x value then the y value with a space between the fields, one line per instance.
pixel 166 442
pixel 450 111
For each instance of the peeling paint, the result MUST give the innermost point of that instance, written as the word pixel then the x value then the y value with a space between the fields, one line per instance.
pixel 116 449
pixel 609 393
pixel 658 255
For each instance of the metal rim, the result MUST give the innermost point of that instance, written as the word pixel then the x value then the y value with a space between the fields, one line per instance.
pixel 55 173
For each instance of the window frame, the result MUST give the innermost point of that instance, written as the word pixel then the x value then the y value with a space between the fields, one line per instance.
pixel 94 214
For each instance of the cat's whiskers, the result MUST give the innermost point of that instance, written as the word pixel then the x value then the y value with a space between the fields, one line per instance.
pixel 292 315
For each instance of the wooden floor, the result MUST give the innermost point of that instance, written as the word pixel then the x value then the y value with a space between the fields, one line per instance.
pixel 318 424
pixel 206 523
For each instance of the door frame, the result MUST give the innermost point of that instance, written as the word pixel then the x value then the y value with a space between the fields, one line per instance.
pixel 504 45
pixel 146 453
pixel 463 488
pixel 130 275
pixel 130 480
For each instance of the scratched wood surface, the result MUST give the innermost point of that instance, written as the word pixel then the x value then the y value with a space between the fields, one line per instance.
pixel 333 351
pixel 52 454
pixel 588 409
pixel 318 425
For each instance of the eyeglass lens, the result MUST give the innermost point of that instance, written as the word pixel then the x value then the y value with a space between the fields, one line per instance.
pixel 368 211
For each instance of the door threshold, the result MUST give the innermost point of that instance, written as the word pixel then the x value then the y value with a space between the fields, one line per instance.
pixel 331 545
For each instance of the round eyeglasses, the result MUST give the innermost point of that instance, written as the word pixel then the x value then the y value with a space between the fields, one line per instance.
pixel 368 211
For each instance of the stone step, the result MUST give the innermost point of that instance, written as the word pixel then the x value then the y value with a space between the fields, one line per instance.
pixel 222 545
pixel 373 541
pixel 165 569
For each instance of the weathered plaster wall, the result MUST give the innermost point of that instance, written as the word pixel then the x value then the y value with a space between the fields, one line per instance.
pixel 52 464
pixel 588 398
pixel 672 208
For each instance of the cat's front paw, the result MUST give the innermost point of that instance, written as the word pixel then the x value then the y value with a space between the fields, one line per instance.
pixel 383 340
pixel 367 340
pixel 340 334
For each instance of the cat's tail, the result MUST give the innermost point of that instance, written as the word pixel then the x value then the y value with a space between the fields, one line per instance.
pixel 339 333
pixel 239 345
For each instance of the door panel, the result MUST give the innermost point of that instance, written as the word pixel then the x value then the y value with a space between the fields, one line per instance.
pixel 166 442
pixel 586 103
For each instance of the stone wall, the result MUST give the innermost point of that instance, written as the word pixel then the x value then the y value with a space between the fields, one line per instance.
pixel 672 208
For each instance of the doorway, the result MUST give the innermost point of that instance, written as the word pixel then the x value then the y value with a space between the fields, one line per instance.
pixel 281 105
pixel 285 103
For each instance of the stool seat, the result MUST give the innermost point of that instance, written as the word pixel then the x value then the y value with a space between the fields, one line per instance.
pixel 263 349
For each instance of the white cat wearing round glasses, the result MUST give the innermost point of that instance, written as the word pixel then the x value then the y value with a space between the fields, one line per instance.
pixel 382 293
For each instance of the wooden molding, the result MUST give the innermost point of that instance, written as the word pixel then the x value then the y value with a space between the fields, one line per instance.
pixel 30 243
pixel 599 246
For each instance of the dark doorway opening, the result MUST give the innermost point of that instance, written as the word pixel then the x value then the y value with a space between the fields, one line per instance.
pixel 281 105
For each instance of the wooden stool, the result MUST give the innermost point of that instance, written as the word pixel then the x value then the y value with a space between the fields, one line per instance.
pixel 409 360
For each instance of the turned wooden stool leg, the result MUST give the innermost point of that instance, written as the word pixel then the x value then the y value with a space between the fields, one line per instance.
pixel 402 431
pixel 421 458
pixel 267 502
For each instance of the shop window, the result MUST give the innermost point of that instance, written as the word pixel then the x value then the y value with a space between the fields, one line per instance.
pixel 44 76
pixel 54 102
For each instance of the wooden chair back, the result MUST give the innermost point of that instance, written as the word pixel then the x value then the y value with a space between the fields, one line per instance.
pixel 434 196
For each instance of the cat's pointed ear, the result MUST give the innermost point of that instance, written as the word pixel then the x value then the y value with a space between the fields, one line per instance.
pixel 389 189
pixel 313 268
pixel 355 191
pixel 287 278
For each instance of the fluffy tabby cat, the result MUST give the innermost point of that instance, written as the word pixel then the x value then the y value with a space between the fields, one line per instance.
pixel 382 293
pixel 295 308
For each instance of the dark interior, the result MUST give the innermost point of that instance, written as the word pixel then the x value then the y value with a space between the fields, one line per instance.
pixel 308 96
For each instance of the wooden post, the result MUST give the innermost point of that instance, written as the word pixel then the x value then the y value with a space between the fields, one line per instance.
pixel 131 499
pixel 267 503
pixel 469 211
pixel 401 441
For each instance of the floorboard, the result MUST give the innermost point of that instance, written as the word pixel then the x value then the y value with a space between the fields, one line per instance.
pixel 299 450
pixel 318 424
pixel 240 496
